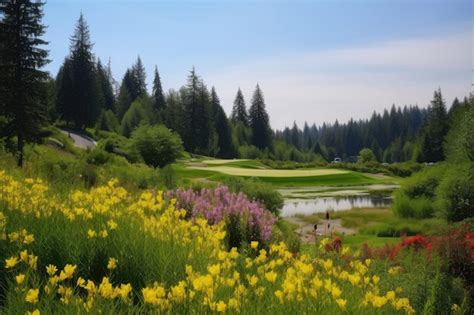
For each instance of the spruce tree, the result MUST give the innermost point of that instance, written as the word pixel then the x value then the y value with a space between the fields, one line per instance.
pixel 197 127
pixel 80 102
pixel 22 83
pixel 125 98
pixel 138 79
pixel 239 111
pixel 105 86
pixel 435 130
pixel 259 121
pixel 222 127
pixel 158 97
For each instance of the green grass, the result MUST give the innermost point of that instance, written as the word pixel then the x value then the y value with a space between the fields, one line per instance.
pixel 373 222
pixel 346 179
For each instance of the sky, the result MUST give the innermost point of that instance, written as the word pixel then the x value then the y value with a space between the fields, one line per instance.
pixel 316 61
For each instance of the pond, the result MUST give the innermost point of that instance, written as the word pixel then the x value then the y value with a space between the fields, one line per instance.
pixel 321 199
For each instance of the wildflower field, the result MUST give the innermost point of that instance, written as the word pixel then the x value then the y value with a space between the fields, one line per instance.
pixel 178 252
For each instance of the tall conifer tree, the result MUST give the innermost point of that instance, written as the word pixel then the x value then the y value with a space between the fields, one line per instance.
pixel 435 130
pixel 22 83
pixel 259 121
pixel 239 111
pixel 222 127
pixel 78 85
pixel 158 97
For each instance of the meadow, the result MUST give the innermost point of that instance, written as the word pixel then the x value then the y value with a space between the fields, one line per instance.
pixel 106 250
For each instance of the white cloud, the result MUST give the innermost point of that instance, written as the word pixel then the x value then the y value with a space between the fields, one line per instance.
pixel 352 82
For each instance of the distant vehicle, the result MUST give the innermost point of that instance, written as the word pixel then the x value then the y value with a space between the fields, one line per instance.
pixel 336 160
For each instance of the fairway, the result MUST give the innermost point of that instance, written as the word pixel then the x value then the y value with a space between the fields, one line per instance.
pixel 223 161
pixel 270 172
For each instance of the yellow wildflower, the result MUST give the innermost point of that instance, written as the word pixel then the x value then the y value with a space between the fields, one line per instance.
pixel 271 276
pixel 112 264
pixel 341 303
pixel 32 296
pixel 51 270
pixel 20 278
pixel 254 244
pixel 11 262
pixel 221 306
pixel 67 272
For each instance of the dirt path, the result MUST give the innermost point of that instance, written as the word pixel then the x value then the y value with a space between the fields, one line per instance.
pixel 306 230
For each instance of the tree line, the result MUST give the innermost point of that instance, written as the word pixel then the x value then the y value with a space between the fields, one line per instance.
pixel 84 95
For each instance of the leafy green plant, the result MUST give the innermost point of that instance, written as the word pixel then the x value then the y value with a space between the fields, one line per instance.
pixel 157 145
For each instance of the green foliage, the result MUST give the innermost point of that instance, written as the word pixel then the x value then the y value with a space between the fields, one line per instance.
pixel 250 152
pixel 79 96
pixel 157 145
pixel 434 130
pixel 239 111
pixel 417 195
pixel 459 144
pixel 259 121
pixel 366 155
pixel 168 177
pixel 455 193
pixel 108 122
pixel 139 113
pixel 285 231
pixel 255 189
pixel 23 86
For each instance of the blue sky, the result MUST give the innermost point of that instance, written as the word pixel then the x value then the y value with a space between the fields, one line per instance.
pixel 315 60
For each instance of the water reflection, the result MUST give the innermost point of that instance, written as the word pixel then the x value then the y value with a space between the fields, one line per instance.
pixel 323 204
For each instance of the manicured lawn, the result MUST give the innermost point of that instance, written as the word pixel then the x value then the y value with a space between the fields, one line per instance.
pixel 251 172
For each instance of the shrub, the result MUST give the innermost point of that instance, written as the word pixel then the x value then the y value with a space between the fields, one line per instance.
pixel 406 207
pixel 366 155
pixel 455 193
pixel 168 177
pixel 258 191
pixel 157 145
pixel 417 195
pixel 97 157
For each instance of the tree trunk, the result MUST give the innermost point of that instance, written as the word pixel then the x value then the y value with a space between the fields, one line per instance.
pixel 20 146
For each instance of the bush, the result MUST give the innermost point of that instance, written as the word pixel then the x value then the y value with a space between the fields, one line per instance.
pixel 406 207
pixel 168 177
pixel 157 145
pixel 404 169
pixel 97 157
pixel 366 155
pixel 455 193
pixel 416 197
pixel 257 190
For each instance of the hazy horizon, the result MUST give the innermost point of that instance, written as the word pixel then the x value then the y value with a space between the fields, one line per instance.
pixel 323 60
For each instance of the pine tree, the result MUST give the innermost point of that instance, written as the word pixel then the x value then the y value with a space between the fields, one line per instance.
pixel 295 135
pixel 158 97
pixel 139 79
pixel 239 110
pixel 435 130
pixel 197 128
pixel 125 98
pixel 80 101
pixel 222 127
pixel 22 83
pixel 259 121
pixel 106 88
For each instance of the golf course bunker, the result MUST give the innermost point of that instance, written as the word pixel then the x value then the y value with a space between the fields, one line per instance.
pixel 270 172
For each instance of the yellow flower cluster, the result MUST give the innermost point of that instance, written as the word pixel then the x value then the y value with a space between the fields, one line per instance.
pixel 215 280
